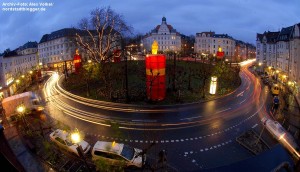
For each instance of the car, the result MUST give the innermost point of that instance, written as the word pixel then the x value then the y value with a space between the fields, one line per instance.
pixel 62 139
pixel 275 90
pixel 118 154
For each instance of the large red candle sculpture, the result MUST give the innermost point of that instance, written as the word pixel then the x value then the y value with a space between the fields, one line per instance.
pixel 77 61
pixel 155 74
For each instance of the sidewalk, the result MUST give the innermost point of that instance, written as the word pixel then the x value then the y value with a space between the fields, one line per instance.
pixel 29 161
pixel 22 152
pixel 289 113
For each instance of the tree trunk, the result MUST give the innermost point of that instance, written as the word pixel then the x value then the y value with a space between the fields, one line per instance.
pixel 174 73
pixel 87 89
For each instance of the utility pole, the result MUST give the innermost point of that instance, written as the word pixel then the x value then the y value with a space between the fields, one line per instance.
pixel 123 49
pixel 174 73
pixel 126 79
pixel 264 126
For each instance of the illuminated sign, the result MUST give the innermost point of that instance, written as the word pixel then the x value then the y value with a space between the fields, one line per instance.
pixel 9 80
pixel 213 85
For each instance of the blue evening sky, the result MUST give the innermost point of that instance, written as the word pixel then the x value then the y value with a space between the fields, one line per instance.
pixel 241 19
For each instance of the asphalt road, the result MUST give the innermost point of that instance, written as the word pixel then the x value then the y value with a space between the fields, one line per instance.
pixel 196 136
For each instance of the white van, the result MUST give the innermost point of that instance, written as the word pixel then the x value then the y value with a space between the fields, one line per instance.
pixel 117 154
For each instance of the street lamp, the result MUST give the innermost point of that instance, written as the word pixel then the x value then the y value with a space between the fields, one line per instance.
pixel 259 64
pixel 76 138
pixel 21 111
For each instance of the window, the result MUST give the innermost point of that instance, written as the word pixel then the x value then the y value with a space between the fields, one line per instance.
pixel 108 155
pixel 60 140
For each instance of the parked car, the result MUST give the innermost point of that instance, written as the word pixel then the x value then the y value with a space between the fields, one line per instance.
pixel 62 139
pixel 118 154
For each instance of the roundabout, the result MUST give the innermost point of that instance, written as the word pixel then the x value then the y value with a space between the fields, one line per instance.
pixel 194 134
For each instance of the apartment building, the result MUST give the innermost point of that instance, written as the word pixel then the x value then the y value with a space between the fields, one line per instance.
pixel 15 65
pixel 167 37
pixel 209 43
pixel 279 54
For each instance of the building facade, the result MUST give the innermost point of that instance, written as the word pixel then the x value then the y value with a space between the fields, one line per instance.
pixel 209 43
pixel 167 37
pixel 279 54
pixel 16 68
pixel 58 48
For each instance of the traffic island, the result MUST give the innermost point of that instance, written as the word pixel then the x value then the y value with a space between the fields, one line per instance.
pixel 253 142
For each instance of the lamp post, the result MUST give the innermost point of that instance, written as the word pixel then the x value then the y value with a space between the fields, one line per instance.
pixel 21 111
pixel 76 138
pixel 277 74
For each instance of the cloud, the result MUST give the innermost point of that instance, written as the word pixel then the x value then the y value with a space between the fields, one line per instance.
pixel 241 19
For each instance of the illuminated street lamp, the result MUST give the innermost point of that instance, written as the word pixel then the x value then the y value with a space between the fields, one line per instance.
pixel 76 138
pixel 213 85
pixel 21 111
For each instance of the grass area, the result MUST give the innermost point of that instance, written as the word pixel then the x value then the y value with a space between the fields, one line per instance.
pixel 192 80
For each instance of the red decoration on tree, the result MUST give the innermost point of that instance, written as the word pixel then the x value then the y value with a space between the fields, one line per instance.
pixel 117 55
pixel 77 61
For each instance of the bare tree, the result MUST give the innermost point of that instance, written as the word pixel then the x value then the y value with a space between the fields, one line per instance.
pixel 104 31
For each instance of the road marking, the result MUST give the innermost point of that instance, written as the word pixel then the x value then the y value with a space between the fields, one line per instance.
pixel 223 110
pixel 190 118
pixel 243 101
pixel 140 120
pixel 191 139
pixel 240 94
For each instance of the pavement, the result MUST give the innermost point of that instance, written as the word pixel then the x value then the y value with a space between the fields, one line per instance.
pixel 29 161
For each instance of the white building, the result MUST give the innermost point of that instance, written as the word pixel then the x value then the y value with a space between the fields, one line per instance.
pixel 208 43
pixel 266 48
pixel 15 64
pixel 167 37
pixel 279 54
pixel 58 47
pixel 295 55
